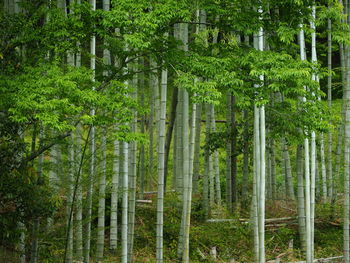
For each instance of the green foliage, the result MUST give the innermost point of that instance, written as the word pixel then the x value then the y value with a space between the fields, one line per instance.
pixel 39 91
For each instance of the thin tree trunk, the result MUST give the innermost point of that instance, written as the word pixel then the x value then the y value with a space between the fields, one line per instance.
pixel 329 99
pixel 312 190
pixel 175 154
pixel 313 140
pixel 114 196
pixel 53 178
pixel 284 174
pixel 317 179
pixel 102 180
pixel 186 155
pixel 233 152
pixel 262 184
pixel 301 199
pixel 79 200
pixel 186 257
pixel 92 160
pixel 185 167
pixel 307 173
pixel 151 133
pixel 228 154
pixel 246 157
pixel 161 165
pixel 216 171
pixel 323 170
pixel 36 223
pixel 70 182
pixel 346 98
pixel 197 148
pixel 273 170
pixel 210 169
pixel 195 134
pixel 268 176
pixel 307 201
pixel 288 171
pixel 132 181
pixel 79 193
pixel 346 169
pixel 257 170
pixel 124 226
pixel 262 179
pixel 102 200
pixel 22 248
pixel 179 149
pixel 169 134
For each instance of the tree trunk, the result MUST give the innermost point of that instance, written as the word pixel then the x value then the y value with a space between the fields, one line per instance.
pixel 179 145
pixel 79 199
pixel 161 165
pixel 186 258
pixel 261 214
pixel 323 170
pixel 70 182
pixel 301 199
pixel 132 180
pixel 346 102
pixel 169 134
pixel 142 168
pixel 124 227
pixel 246 157
pixel 186 155
pixel 233 132
pixel 307 173
pixel 102 200
pixel 114 196
pixel 92 161
pixel 216 171
pixel 273 170
pixel 36 223
pixel 257 171
pixel 209 168
pixel 228 154
pixel 197 148
pixel 288 171
pixel 329 99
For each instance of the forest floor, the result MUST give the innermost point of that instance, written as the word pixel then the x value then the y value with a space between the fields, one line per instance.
pixel 232 241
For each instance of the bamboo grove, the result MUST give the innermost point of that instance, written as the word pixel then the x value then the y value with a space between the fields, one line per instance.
pixel 108 106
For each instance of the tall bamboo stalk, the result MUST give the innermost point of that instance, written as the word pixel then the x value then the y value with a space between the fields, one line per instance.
pixel 102 199
pixel 125 190
pixel 197 148
pixel 301 199
pixel 114 195
pixel 70 182
pixel 257 170
pixel 92 160
pixel 194 123
pixel 79 199
pixel 346 98
pixel 246 156
pixel 161 165
pixel 228 154
pixel 132 178
pixel 329 100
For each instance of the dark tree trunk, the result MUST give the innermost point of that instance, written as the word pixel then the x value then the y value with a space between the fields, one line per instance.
pixel 169 134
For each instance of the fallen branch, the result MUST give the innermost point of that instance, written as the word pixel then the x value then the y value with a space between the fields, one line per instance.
pixel 324 260
pixel 155 192
pixel 243 220
pixel 144 201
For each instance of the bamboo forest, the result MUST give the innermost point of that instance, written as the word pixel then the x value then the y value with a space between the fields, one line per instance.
pixel 168 131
